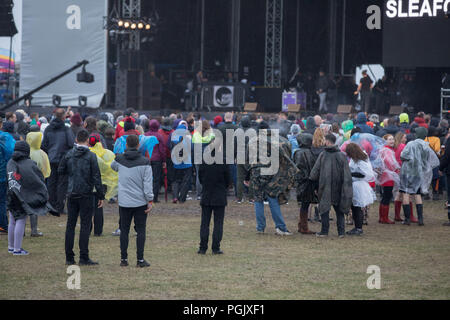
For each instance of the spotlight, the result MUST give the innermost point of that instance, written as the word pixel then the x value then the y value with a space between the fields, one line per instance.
pixel 120 23
pixel 140 25
pixel 56 100
pixel 126 24
pixel 85 76
pixel 82 101
pixel 133 26
pixel 147 27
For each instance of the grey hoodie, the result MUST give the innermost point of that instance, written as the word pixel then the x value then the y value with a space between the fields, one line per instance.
pixel 135 179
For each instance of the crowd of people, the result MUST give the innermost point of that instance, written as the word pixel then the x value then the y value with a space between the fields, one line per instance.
pixel 78 161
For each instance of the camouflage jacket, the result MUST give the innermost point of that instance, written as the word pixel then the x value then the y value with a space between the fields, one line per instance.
pixel 278 184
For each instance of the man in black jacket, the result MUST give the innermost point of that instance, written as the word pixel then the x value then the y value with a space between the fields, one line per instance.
pixel 81 167
pixel 58 139
pixel 215 179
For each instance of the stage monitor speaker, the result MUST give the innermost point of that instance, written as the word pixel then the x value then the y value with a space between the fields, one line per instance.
pixel 396 110
pixel 294 108
pixel 250 106
pixel 345 108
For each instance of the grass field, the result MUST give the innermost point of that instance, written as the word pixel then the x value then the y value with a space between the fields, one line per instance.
pixel 414 261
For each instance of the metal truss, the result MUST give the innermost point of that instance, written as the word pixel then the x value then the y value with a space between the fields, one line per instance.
pixel 274 43
pixel 132 9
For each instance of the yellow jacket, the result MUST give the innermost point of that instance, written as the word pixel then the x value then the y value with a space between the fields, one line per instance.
pixel 435 144
pixel 34 139
pixel 110 178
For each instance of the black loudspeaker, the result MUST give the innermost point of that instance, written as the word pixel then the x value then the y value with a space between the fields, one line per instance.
pixel 127 90
pixel 151 92
pixel 396 110
pixel 138 90
pixel 269 99
pixel 7 25
pixel 345 108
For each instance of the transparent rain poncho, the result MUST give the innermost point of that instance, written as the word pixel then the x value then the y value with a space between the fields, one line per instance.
pixel 110 177
pixel 382 159
pixel 363 194
pixel 34 140
pixel 419 160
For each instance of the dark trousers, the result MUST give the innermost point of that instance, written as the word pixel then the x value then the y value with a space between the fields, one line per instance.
pixel 157 176
pixel 240 187
pixel 98 217
pixel 3 216
pixel 387 195
pixel 82 206
pixel 181 184
pixel 358 217
pixel 365 101
pixel 140 222
pixel 340 221
pixel 170 173
pixel 57 188
pixel 219 213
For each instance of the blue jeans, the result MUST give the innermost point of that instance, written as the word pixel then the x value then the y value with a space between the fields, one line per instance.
pixel 276 215
pixel 3 216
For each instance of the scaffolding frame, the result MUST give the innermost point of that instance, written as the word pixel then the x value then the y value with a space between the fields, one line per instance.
pixel 274 44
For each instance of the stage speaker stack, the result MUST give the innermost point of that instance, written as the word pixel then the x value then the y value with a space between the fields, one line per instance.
pixel 344 108
pixel 396 110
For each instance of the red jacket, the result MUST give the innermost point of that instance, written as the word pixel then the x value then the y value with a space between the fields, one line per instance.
pixel 165 135
pixel 398 152
pixel 420 122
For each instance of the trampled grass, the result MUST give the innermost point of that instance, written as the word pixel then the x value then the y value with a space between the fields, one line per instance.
pixel 414 261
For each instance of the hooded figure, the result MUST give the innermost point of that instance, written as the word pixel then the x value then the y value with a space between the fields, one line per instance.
pixel 105 157
pixel 34 140
pixel 305 160
pixel 27 192
pixel 21 127
pixel 8 126
pixel 292 137
pixel 310 125
pixel 347 127
pixel 361 122
pixel 332 172
pixel 418 162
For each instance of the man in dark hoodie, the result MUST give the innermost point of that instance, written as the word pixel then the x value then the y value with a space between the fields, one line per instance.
pixel 310 125
pixel 21 127
pixel 332 172
pixel 58 140
pixel 361 122
pixel 81 167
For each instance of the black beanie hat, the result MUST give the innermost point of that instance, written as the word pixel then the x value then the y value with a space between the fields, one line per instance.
pixel 129 125
pixel 22 146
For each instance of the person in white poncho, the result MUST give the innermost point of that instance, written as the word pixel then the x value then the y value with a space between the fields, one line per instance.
pixel 363 194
